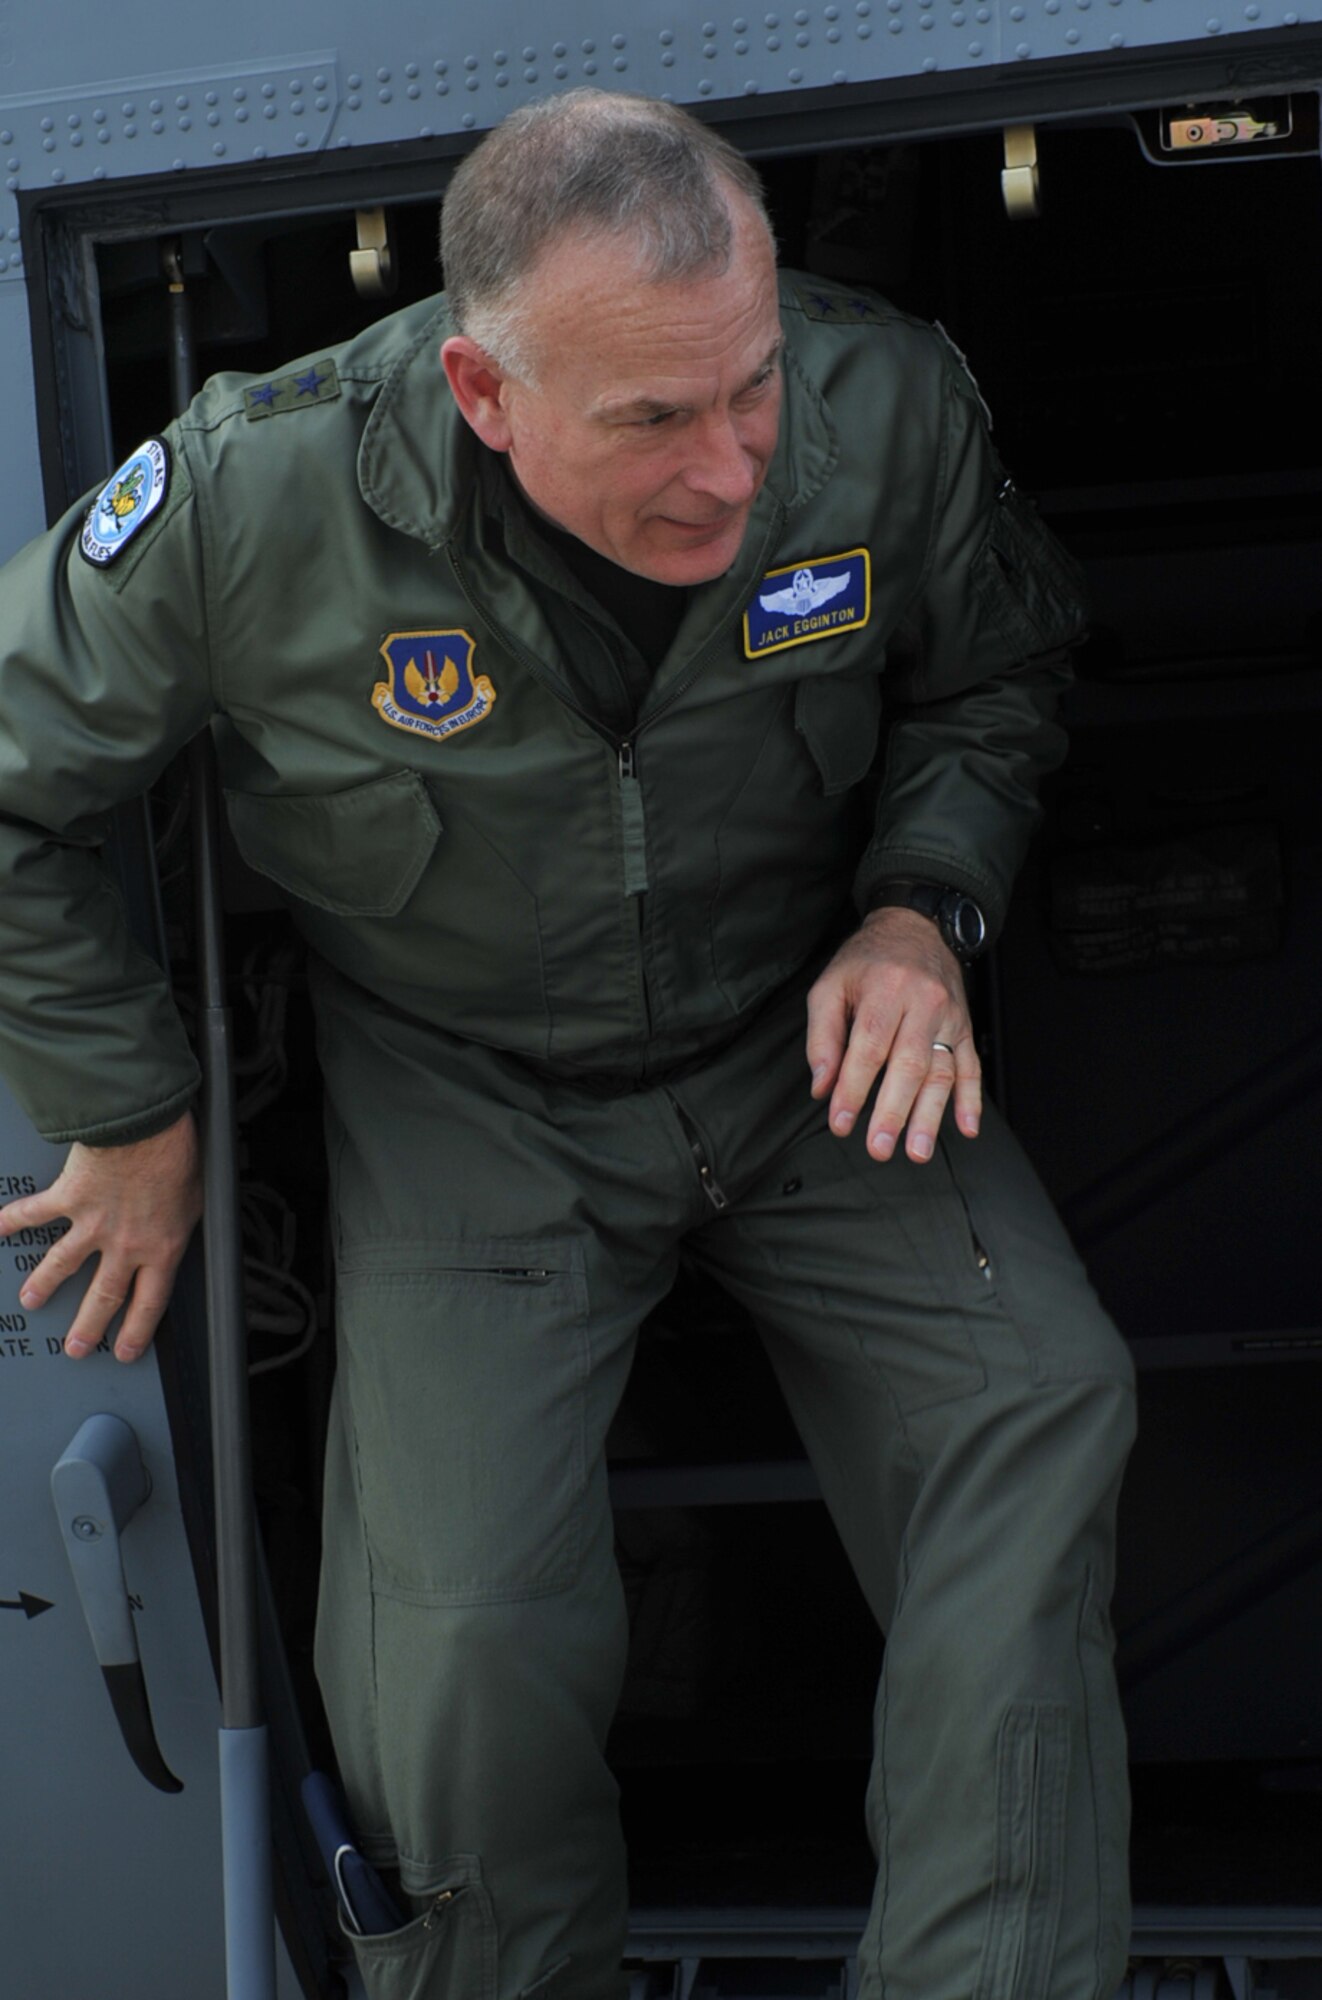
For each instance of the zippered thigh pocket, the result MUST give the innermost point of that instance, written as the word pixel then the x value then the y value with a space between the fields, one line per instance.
pixel 450 1948
pixel 466 1372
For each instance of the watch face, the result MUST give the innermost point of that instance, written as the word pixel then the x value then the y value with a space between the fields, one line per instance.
pixel 968 930
pixel 956 915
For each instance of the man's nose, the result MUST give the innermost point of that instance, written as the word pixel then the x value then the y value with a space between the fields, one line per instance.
pixel 722 466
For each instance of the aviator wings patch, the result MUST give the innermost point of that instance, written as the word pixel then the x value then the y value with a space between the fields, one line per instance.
pixel 805 594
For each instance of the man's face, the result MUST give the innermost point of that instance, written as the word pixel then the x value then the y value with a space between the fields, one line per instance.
pixel 654 416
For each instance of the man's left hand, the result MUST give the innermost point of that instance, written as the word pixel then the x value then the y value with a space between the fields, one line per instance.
pixel 891 995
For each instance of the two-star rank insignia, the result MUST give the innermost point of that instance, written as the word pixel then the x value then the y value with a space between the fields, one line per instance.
pixel 317 383
pixel 826 301
pixel 822 597
pixel 432 688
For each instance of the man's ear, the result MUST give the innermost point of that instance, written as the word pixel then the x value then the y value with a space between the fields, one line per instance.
pixel 478 386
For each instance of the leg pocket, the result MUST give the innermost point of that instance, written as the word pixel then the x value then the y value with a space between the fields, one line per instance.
pixel 449 1950
pixel 1060 1325
pixel 869 1267
pixel 929 1289
pixel 466 1376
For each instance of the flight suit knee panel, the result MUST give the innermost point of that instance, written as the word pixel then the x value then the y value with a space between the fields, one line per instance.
pixel 1028 1875
pixel 1001 1764
pixel 1107 1754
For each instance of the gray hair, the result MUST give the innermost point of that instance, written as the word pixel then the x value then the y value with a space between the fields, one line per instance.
pixel 592 162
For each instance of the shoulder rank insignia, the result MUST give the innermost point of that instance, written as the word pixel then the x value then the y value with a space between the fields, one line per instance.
pixel 125 503
pixel 821 598
pixel 432 687
pixel 317 383
pixel 833 302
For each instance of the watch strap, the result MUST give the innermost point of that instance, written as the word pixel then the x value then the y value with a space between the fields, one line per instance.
pixel 954 912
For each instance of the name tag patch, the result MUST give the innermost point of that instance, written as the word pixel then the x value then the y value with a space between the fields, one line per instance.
pixel 432 689
pixel 822 597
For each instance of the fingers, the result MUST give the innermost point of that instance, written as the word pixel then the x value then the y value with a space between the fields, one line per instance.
pixel 133 1209
pixel 828 1026
pixel 921 1047
pixel 916 1088
pixel 968 1089
pixel 950 1068
pixel 111 1285
pixel 151 1295
pixel 143 1294
pixel 41 1217
pixel 879 1044
pixel 32 1211
pixel 103 1298
pixel 67 1255
pixel 891 1006
pixel 922 1114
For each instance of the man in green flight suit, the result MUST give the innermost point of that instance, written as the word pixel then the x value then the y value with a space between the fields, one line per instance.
pixel 546 635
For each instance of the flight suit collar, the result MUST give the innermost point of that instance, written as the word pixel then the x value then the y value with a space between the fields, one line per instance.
pixel 418 461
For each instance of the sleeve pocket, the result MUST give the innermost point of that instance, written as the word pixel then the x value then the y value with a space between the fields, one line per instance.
pixel 359 852
pixel 1029 585
pixel 838 719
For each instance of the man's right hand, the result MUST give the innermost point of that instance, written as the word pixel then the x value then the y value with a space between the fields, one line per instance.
pixel 132 1207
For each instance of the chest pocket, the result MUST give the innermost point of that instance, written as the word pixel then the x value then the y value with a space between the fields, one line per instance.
pixel 838 718
pixel 359 852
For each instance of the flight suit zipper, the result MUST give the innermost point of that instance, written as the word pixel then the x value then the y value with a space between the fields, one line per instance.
pixel 632 825
pixel 557 687
pixel 633 828
pixel 707 1180
pixel 508 643
pixel 685 682
pixel 519 1274
pixel 440 1907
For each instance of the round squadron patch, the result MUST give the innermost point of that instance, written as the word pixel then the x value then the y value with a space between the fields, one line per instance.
pixel 125 503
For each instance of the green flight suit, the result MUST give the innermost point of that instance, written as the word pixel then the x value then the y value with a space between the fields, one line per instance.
pixel 548 962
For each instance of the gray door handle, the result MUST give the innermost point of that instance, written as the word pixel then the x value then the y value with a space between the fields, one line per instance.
pixel 98 1486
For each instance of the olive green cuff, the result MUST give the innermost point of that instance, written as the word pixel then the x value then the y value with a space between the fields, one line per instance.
pixel 125 1131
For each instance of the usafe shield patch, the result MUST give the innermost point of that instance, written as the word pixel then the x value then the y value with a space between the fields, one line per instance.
pixel 822 597
pixel 125 503
pixel 432 688
pixel 300 391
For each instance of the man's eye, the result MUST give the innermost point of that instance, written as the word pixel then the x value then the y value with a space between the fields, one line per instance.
pixel 654 423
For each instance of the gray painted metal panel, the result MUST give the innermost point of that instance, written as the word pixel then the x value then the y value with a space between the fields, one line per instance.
pixel 200 94
pixel 21 512
pixel 141 1868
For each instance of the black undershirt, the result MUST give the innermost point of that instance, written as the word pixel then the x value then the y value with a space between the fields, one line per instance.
pixel 647 613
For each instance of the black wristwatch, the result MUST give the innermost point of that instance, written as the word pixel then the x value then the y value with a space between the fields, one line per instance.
pixel 956 915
